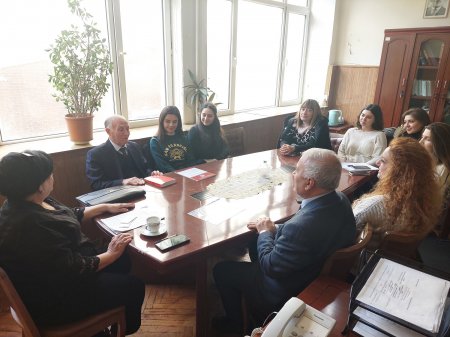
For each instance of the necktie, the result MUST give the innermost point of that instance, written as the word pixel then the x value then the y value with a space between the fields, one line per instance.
pixel 123 151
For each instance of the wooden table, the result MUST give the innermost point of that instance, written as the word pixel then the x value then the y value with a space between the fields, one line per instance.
pixel 208 239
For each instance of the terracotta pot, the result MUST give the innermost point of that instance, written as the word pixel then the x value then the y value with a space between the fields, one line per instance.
pixel 80 129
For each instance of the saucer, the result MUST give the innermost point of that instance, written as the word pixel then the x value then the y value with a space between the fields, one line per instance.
pixel 162 230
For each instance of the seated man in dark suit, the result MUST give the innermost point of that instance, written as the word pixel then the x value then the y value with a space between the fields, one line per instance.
pixel 289 256
pixel 117 161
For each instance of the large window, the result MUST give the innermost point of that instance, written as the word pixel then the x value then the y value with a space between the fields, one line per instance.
pixel 255 52
pixel 27 108
pixel 254 57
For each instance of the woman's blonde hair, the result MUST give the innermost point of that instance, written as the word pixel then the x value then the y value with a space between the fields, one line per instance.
pixel 314 106
pixel 411 193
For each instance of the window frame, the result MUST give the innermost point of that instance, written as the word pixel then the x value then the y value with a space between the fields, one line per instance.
pixel 286 8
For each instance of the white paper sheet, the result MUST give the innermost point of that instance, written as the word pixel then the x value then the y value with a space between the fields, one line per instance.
pixel 385 324
pixel 191 172
pixel 406 293
pixel 218 211
pixel 124 222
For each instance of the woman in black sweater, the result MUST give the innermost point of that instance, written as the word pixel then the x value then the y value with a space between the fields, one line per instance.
pixel 59 274
pixel 206 138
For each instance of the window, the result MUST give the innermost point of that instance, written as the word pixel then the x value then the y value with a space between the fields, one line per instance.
pixel 140 51
pixel 255 52
pixel 27 108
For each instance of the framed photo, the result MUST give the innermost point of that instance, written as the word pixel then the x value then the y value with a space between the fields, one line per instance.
pixel 435 9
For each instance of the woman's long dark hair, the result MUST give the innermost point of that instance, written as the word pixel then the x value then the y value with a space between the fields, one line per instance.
pixel 168 110
pixel 213 132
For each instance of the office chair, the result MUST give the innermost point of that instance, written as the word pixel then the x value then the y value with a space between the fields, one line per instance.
pixel 235 141
pixel 86 327
pixel 402 243
pixel 339 264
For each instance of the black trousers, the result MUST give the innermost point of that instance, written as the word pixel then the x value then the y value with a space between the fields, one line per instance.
pixel 238 280
pixel 107 289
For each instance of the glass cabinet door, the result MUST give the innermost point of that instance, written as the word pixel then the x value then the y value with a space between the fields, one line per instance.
pixel 425 90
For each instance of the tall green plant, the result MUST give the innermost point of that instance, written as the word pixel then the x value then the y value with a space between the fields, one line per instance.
pixel 82 64
pixel 198 93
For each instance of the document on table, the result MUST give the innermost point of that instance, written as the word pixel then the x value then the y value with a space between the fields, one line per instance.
pixel 195 174
pixel 218 211
pixel 124 222
pixel 406 293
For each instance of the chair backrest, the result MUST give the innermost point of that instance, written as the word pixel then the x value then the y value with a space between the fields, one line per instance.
pixel 236 141
pixel 19 311
pixel 401 243
pixel 145 147
pixel 339 264
pixel 114 318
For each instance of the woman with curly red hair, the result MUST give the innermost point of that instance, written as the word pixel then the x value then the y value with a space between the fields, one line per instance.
pixel 407 197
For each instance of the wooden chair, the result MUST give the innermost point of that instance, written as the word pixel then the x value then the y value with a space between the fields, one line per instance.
pixel 401 243
pixel 82 328
pixel 236 140
pixel 339 264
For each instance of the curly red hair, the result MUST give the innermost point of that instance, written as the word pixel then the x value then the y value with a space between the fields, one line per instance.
pixel 411 193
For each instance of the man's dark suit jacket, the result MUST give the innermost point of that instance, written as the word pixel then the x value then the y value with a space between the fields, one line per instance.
pixel 103 167
pixel 294 256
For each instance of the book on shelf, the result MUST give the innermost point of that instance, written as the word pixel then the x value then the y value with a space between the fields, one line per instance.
pixel 160 181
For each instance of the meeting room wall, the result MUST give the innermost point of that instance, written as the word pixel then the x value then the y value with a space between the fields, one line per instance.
pixel 357 44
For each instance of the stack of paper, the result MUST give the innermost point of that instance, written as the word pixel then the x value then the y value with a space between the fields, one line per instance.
pixel 406 293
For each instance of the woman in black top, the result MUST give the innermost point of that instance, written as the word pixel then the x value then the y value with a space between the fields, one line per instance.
pixel 206 138
pixel 57 271
pixel 414 122
pixel 307 129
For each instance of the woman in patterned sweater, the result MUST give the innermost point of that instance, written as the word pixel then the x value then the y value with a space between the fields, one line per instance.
pixel 307 129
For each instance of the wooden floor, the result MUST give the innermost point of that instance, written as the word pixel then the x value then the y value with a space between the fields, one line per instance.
pixel 168 311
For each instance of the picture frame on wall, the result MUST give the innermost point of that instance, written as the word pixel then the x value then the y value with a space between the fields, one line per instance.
pixel 435 9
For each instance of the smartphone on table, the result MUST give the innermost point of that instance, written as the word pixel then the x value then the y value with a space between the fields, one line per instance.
pixel 172 242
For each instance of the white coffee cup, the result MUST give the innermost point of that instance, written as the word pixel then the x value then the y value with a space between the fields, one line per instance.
pixel 153 223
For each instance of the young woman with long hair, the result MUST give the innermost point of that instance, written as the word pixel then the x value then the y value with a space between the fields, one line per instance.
pixel 407 197
pixel 207 138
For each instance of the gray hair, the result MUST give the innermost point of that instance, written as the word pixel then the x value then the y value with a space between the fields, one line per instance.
pixel 110 120
pixel 323 166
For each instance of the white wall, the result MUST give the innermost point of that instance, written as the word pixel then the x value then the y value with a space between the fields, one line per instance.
pixel 360 24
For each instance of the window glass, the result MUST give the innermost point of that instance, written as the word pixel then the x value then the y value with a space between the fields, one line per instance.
pixel 257 55
pixel 298 2
pixel 27 108
pixel 219 49
pixel 143 47
pixel 293 57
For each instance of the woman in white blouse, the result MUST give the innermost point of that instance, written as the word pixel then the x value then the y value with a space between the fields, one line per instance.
pixel 366 142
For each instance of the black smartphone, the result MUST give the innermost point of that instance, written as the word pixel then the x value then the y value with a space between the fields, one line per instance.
pixel 171 242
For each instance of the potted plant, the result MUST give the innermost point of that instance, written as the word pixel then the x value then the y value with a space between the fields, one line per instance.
pixel 198 94
pixel 82 65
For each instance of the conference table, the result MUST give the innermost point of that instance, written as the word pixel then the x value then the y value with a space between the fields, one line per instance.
pixel 209 238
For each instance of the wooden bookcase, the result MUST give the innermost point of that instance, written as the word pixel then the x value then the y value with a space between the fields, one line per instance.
pixel 414 72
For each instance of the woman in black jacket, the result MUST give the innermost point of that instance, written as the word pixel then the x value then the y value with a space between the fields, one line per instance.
pixel 59 274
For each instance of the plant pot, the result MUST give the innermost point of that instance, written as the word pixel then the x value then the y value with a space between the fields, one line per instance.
pixel 80 129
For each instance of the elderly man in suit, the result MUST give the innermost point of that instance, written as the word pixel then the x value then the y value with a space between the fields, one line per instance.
pixel 289 255
pixel 118 161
